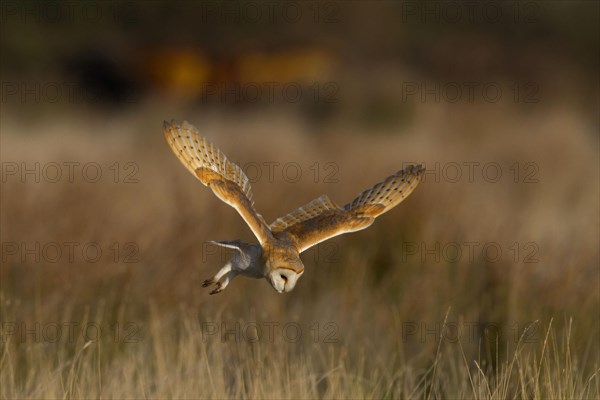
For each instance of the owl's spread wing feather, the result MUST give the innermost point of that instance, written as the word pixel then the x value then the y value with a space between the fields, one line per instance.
pixel 226 179
pixel 322 219
pixel 316 207
pixel 390 192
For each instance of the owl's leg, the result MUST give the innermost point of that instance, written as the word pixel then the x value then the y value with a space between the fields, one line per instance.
pixel 226 274
pixel 222 284
pixel 226 268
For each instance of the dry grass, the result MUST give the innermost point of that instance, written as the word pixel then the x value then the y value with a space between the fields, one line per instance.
pixel 174 358
pixel 375 321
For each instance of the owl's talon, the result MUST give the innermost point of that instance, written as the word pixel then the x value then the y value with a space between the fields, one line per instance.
pixel 208 282
pixel 218 289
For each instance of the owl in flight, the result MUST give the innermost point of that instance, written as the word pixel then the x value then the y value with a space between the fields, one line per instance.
pixel 277 256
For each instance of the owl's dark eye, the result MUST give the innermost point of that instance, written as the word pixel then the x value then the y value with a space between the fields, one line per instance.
pixel 285 279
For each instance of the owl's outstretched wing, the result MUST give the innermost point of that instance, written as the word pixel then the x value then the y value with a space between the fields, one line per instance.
pixel 322 219
pixel 227 180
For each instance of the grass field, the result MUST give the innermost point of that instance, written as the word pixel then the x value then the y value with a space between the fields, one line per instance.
pixel 483 284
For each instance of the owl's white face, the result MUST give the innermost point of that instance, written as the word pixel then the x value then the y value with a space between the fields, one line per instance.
pixel 283 267
pixel 284 279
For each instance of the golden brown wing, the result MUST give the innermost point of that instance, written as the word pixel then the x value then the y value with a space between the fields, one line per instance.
pixel 322 219
pixel 227 180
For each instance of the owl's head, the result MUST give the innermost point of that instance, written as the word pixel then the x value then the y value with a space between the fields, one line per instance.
pixel 284 268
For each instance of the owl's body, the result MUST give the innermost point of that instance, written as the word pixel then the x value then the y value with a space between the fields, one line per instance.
pixel 251 261
pixel 246 261
pixel 277 256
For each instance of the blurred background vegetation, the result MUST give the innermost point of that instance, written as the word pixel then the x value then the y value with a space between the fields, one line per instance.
pixel 346 93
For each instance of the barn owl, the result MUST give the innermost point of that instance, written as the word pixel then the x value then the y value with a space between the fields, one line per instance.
pixel 277 255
